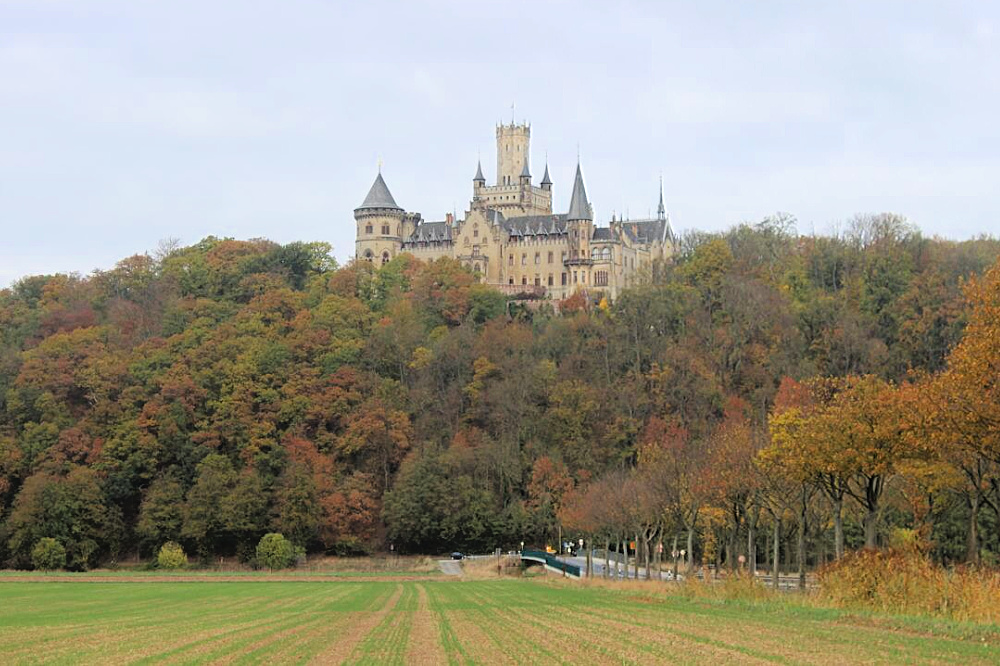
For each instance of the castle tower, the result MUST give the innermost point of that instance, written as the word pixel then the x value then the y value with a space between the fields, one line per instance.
pixel 479 182
pixel 513 142
pixel 379 225
pixel 580 226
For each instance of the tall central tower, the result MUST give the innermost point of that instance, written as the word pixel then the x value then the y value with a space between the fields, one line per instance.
pixel 513 142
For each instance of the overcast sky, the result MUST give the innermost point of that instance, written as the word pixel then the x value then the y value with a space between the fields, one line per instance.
pixel 123 122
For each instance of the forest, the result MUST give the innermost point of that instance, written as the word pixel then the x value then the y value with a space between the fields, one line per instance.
pixel 765 394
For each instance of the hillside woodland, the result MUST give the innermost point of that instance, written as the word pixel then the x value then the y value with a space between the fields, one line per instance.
pixel 764 392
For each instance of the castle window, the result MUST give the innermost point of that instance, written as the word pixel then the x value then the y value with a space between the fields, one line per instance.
pixel 564 255
pixel 385 257
pixel 564 279
pixel 538 258
pixel 551 281
pixel 575 278
pixel 368 255
pixel 385 229
pixel 524 259
pixel 524 279
pixel 476 267
pixel 510 260
pixel 550 257
pixel 475 233
pixel 368 229
pixel 601 278
pixel 538 281
pixel 475 250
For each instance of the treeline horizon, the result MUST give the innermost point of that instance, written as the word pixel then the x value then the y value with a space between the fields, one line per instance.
pixel 214 393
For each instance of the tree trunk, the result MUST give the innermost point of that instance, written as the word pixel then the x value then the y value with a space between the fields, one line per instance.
pixel 801 545
pixel 624 569
pixel 689 555
pixel 776 554
pixel 635 566
pixel 838 527
pixel 752 519
pixel 589 546
pixel 607 556
pixel 972 538
pixel 871 533
pixel 675 554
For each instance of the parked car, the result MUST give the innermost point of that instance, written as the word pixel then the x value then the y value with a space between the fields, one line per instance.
pixel 457 556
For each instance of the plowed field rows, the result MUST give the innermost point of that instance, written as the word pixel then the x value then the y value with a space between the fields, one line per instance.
pixel 438 622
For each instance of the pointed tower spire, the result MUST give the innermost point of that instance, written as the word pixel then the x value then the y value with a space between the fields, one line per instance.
pixel 525 172
pixel 661 211
pixel 579 206
pixel 545 179
pixel 379 195
pixel 479 172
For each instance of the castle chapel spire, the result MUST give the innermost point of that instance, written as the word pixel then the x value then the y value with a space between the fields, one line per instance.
pixel 661 211
pixel 479 172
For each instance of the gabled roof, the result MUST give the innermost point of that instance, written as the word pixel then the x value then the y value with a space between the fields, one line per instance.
pixel 379 196
pixel 535 225
pixel 579 206
pixel 430 232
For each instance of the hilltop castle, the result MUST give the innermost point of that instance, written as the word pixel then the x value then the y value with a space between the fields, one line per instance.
pixel 511 238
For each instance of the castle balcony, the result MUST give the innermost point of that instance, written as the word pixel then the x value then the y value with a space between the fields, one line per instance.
pixel 578 261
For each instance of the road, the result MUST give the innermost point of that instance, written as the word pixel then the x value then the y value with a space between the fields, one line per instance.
pixel 450 567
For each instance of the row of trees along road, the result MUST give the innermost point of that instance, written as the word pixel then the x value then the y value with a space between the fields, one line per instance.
pixel 765 394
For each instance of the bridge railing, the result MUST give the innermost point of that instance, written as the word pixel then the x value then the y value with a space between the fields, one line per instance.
pixel 551 561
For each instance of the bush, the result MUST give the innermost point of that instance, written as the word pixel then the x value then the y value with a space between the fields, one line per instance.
pixel 275 551
pixel 48 554
pixel 171 556
pixel 904 581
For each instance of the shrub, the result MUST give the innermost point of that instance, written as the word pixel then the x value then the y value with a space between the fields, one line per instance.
pixel 904 581
pixel 171 556
pixel 48 554
pixel 275 551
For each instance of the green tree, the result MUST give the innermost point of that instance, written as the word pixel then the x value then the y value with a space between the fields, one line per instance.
pixel 48 555
pixel 275 551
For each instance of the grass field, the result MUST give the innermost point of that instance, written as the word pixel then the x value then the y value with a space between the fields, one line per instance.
pixel 433 621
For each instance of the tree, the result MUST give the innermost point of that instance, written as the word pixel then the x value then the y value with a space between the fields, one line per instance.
pixel 171 556
pixel 48 554
pixel 275 551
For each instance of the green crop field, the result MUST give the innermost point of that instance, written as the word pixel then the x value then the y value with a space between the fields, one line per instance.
pixel 445 621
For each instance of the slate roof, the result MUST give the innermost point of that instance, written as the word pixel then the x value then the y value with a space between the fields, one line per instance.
pixel 430 232
pixel 525 172
pixel 534 225
pixel 545 179
pixel 602 234
pixel 379 196
pixel 479 171
pixel 579 206
pixel 648 230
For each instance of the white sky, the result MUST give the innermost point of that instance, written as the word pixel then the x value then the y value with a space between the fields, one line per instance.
pixel 123 122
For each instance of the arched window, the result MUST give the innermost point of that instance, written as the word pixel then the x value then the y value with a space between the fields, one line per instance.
pixel 385 257
pixel 476 268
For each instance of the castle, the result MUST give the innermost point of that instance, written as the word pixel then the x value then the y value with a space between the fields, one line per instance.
pixel 511 238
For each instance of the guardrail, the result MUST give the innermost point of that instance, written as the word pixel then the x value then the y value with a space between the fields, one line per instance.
pixel 551 562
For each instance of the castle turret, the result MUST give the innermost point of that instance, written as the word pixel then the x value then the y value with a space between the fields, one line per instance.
pixel 525 176
pixel 380 224
pixel 546 181
pixel 579 225
pixel 513 142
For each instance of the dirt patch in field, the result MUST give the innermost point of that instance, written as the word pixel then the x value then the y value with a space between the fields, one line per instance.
pixel 194 578
pixel 425 634
pixel 365 623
